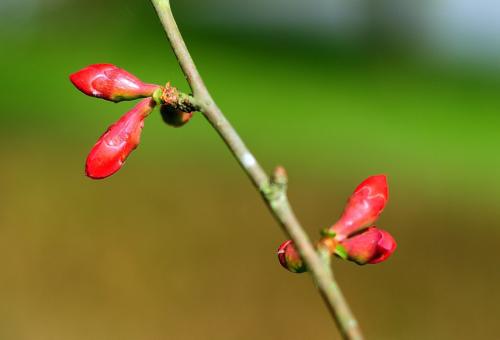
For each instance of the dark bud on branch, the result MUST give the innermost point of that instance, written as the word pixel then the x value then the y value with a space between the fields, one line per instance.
pixel 174 117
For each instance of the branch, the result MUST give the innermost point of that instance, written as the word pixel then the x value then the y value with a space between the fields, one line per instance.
pixel 272 190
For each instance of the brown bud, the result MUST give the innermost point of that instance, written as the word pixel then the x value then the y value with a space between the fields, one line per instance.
pixel 174 117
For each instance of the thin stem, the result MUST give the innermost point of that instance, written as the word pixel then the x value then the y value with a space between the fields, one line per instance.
pixel 317 263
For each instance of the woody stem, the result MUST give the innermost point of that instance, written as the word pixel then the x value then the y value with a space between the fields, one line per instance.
pixel 317 261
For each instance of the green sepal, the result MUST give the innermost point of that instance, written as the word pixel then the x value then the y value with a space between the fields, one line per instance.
pixel 341 252
pixel 157 96
pixel 327 232
pixel 297 268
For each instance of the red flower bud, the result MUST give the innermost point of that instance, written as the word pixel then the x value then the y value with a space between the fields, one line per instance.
pixel 112 149
pixel 363 207
pixel 290 259
pixel 174 117
pixel 371 246
pixel 111 83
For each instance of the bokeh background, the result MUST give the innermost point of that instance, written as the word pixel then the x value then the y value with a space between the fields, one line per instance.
pixel 178 245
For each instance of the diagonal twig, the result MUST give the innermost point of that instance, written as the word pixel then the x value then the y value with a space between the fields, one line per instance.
pixel 274 195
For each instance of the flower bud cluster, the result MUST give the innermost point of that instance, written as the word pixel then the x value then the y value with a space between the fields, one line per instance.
pixel 354 236
pixel 108 82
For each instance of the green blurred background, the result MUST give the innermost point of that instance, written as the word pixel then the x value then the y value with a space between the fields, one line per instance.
pixel 178 245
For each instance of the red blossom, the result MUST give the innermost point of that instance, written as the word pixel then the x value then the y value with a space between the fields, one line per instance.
pixel 111 83
pixel 363 207
pixel 371 246
pixel 115 145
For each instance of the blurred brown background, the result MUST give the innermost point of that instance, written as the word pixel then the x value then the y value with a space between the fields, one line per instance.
pixel 178 245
